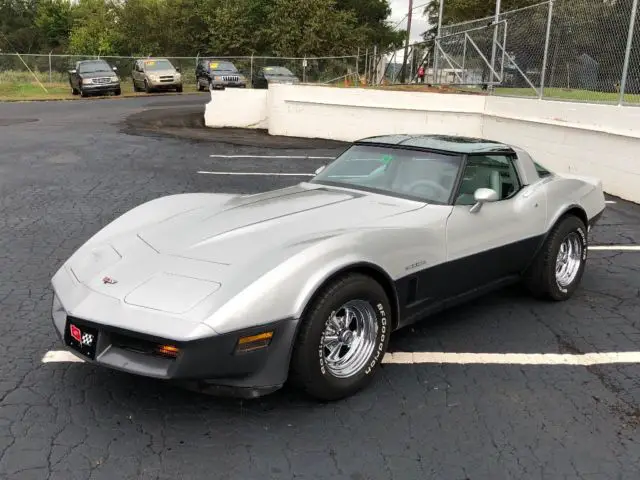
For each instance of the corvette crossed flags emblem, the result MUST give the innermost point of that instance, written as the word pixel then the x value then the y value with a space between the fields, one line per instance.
pixel 83 338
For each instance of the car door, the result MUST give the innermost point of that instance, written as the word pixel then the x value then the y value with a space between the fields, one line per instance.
pixel 498 240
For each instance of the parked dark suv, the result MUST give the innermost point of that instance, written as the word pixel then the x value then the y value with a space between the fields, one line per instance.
pixel 93 76
pixel 218 74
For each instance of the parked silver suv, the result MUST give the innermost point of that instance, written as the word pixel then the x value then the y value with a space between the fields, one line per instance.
pixel 151 74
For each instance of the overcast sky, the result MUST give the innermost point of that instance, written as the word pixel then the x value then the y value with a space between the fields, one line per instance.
pixel 399 9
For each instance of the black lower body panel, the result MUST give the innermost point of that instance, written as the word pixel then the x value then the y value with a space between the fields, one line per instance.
pixel 210 365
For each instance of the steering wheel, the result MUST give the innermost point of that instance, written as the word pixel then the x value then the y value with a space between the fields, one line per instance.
pixel 434 189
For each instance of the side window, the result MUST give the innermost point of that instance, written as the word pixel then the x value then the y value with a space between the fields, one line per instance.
pixel 488 171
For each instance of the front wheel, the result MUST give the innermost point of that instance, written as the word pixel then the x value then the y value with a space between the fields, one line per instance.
pixel 558 268
pixel 343 338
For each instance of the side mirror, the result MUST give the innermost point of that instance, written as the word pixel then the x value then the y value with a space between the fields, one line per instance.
pixel 482 196
pixel 73 72
pixel 178 69
pixel 115 69
pixel 320 169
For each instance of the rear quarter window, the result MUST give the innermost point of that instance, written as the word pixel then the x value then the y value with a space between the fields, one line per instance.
pixel 542 172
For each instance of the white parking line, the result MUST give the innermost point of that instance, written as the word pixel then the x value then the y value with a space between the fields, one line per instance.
pixel 265 174
pixel 614 248
pixel 60 356
pixel 411 358
pixel 272 156
pixel 511 358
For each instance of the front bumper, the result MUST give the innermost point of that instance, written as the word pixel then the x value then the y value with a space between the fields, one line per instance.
pixel 100 87
pixel 218 84
pixel 210 365
pixel 165 85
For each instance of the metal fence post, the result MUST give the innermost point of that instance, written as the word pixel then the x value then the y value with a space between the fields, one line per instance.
pixel 495 40
pixel 252 66
pixel 374 70
pixel 50 80
pixel 546 50
pixel 436 53
pixel 627 53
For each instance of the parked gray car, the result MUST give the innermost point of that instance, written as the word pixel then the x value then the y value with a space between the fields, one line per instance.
pixel 240 293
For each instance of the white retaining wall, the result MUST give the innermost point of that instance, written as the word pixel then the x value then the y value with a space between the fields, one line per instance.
pixel 235 107
pixel 589 139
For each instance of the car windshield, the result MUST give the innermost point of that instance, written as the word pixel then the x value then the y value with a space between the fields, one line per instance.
pixel 278 71
pixel 155 65
pixel 413 174
pixel 94 67
pixel 222 66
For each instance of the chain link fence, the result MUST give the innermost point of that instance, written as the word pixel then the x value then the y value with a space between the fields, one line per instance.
pixel 54 69
pixel 578 50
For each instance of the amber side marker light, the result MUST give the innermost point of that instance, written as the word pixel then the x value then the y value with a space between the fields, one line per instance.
pixel 254 342
pixel 168 351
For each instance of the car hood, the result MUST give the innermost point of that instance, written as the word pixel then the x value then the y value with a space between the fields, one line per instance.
pixel 168 71
pixel 254 225
pixel 174 264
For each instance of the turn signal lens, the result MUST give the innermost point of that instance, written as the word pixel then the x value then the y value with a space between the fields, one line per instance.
pixel 254 342
pixel 168 351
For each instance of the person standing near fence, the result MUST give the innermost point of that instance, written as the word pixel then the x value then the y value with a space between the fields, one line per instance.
pixel 421 74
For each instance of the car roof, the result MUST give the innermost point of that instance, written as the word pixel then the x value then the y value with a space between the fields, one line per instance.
pixel 449 143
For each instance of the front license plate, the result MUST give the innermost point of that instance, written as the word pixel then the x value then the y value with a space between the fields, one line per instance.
pixel 81 338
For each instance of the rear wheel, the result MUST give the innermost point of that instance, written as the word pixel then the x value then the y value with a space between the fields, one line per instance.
pixel 558 269
pixel 343 338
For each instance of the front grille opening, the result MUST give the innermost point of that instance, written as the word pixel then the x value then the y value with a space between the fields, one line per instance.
pixel 143 347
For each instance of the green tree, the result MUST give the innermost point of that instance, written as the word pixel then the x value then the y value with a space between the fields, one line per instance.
pixel 312 27
pixel 94 30
pixel 54 19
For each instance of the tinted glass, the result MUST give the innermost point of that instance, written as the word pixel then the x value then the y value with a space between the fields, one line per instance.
pixel 97 66
pixel 542 172
pixel 422 176
pixel 496 172
pixel 154 65
pixel 222 66
pixel 278 71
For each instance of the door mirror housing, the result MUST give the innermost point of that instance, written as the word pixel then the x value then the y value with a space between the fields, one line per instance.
pixel 73 72
pixel 320 169
pixel 482 196
pixel 115 69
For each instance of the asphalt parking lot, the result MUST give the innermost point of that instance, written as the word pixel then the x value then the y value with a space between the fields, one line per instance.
pixel 68 168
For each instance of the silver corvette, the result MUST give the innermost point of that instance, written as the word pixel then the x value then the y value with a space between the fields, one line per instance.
pixel 238 294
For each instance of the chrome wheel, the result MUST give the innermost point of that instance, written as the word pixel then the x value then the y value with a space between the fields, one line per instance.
pixel 569 260
pixel 349 338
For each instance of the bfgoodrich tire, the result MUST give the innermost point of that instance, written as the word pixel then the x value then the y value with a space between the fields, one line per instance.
pixel 557 271
pixel 343 337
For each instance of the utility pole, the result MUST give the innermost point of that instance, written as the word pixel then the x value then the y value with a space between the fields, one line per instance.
pixel 406 45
